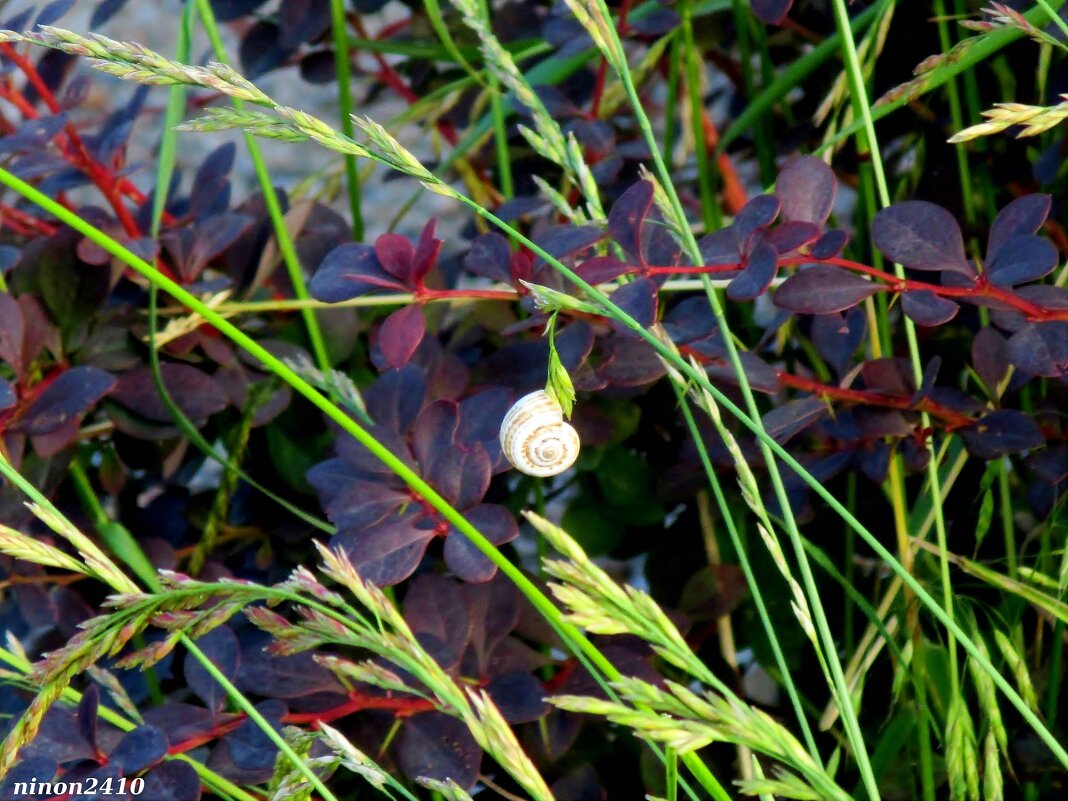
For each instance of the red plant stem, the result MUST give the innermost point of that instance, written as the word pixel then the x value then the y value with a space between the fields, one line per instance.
pixel 465 294
pixel 394 28
pixel 32 225
pixel 75 151
pixel 602 70
pixel 401 706
pixel 392 79
pixel 598 88
pixel 982 289
pixel 16 227
pixel 951 417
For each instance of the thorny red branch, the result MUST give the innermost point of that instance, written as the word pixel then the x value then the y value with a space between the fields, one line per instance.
pixel 980 290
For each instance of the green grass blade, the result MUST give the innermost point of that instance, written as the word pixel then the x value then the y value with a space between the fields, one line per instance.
pixel 343 71
pixel 791 77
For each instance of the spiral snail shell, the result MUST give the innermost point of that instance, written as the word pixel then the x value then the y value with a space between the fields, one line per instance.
pixel 535 438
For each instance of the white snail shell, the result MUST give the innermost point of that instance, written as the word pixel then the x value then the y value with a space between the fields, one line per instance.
pixel 535 438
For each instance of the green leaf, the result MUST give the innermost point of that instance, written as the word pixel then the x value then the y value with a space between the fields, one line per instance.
pixel 585 520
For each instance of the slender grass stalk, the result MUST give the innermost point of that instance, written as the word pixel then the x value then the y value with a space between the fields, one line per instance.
pixel 343 70
pixel 171 117
pixel 876 195
pixel 747 570
pixel 568 632
pixel 671 104
pixel 790 78
pixel 212 780
pixel 1053 15
pixel 761 130
pixel 706 180
pixel 860 96
pixel 121 583
pixel 612 47
pixel 500 130
pixel 981 48
pixel 957 116
pixel 403 162
pixel 168 152
pixel 270 201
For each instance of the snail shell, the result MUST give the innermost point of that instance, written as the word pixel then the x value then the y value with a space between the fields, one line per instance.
pixel 535 438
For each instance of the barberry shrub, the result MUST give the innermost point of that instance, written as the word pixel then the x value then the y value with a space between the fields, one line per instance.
pixel 260 435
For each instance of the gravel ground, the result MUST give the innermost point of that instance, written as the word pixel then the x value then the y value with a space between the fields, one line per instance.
pixel 153 23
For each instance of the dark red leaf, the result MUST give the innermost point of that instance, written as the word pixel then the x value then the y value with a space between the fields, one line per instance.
pixel 762 376
pixel 629 363
pixel 790 419
pixel 928 309
pixel 180 722
pixel 349 271
pixel 400 334
pixel 213 236
pixel 792 235
pixel 1041 349
pixel 1002 432
pixel 439 747
pixel 88 708
pixel 562 241
pixel 837 337
pixel 104 11
pixel 690 320
pixel 927 380
pixel 719 247
pixel 760 269
pixel 194 392
pixel 11 333
pixel 627 215
pixel 464 558
pixel 520 697
pixel 139 749
pixel 822 289
pixel 990 357
pixel 389 552
pixel 771 12
pixel 248 747
pixel 71 394
pixel 296 676
pixel 426 252
pixel 601 269
pixel 302 21
pixel 1025 215
pixel 319 67
pixel 807 189
pixel 757 214
pixel 394 400
pixel 436 611
pixel 489 256
pixel 459 471
pixel 396 254
pixel 172 781
pixel 1021 259
pixel 829 245
pixel 1051 464
pixel 889 375
pixel 361 503
pixel 920 235
pixel 638 299
pixel 220 647
pixel 261 50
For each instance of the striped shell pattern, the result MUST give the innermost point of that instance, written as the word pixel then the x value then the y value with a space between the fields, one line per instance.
pixel 535 438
